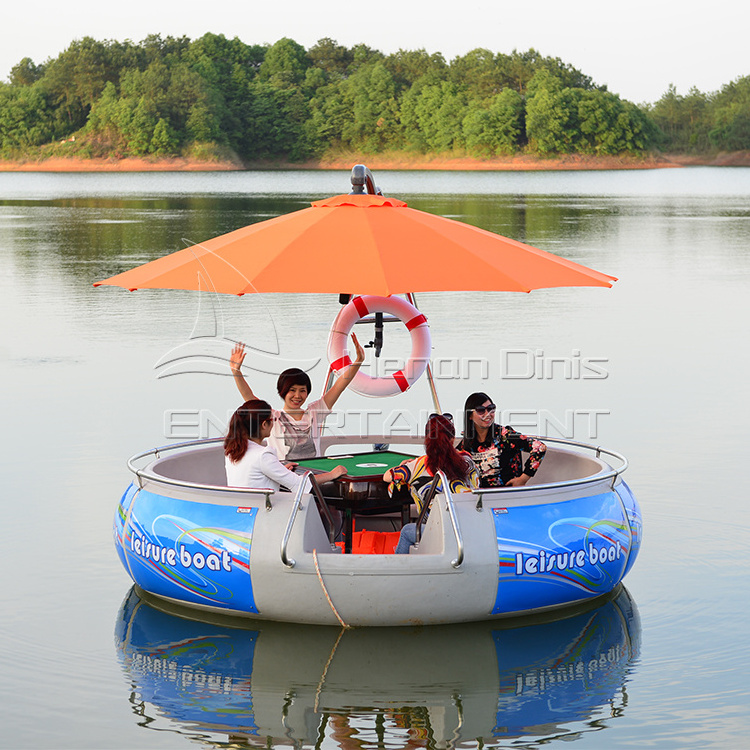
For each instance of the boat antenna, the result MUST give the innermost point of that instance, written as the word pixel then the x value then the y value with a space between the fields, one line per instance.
pixel 362 178
pixel 363 181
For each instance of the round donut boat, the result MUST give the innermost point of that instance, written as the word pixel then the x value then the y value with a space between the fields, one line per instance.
pixel 567 537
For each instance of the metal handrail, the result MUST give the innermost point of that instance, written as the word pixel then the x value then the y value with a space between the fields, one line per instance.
pixel 169 447
pixel 290 562
pixel 326 510
pixel 440 477
pixel 612 474
pixel 425 509
pixel 454 521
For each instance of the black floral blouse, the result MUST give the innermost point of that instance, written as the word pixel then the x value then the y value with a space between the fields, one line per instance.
pixel 498 459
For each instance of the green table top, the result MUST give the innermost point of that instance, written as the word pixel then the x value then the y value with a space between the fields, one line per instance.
pixel 370 464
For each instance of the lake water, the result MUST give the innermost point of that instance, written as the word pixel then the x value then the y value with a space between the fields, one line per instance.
pixel 655 368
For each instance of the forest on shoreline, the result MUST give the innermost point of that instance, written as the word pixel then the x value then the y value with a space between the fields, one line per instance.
pixel 218 101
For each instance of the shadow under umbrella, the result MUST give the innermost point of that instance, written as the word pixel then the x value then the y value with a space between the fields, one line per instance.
pixel 282 684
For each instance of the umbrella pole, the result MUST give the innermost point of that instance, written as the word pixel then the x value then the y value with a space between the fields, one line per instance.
pixel 433 391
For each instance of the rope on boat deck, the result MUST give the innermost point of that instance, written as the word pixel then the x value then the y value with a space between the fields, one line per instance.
pixel 325 590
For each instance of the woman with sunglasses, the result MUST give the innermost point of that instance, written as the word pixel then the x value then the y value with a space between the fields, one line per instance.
pixel 496 450
pixel 417 474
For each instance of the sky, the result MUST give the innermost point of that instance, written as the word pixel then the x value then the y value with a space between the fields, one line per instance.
pixel 636 49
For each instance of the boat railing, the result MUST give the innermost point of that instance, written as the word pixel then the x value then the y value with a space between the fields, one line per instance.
pixel 454 521
pixel 323 505
pixel 290 562
pixel 144 474
pixel 431 492
pixel 308 476
pixel 608 474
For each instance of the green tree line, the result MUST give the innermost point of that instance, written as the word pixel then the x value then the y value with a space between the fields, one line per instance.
pixel 215 97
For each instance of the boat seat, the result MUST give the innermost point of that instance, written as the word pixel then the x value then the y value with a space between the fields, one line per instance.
pixel 562 465
pixel 202 466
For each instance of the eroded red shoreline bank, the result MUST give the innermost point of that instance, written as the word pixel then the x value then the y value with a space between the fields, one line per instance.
pixel 388 162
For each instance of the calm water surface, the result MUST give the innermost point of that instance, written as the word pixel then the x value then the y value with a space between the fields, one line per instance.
pixel 92 376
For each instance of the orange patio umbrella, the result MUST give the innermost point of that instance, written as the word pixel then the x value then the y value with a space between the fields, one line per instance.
pixel 359 244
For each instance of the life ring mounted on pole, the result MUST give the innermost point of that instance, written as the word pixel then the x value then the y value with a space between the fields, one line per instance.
pixel 421 344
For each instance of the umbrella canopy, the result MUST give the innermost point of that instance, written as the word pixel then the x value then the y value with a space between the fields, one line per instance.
pixel 359 244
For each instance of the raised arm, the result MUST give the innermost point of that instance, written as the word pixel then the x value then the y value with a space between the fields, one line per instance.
pixel 235 363
pixel 331 396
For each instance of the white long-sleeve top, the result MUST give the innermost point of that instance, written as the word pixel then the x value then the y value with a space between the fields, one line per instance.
pixel 260 468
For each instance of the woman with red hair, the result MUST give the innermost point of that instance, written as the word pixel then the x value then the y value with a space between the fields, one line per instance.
pixel 418 473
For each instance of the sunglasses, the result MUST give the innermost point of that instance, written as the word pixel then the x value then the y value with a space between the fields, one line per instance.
pixel 449 417
pixel 483 409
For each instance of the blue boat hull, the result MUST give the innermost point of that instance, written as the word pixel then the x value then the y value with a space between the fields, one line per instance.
pixel 498 555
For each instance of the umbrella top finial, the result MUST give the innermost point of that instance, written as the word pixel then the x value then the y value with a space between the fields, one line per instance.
pixel 362 178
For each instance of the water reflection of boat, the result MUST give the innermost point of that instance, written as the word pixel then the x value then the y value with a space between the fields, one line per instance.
pixel 284 684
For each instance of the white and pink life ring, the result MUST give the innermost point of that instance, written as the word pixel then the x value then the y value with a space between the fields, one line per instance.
pixel 421 344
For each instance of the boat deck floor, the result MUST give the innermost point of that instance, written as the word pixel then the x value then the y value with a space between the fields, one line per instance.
pixel 375 535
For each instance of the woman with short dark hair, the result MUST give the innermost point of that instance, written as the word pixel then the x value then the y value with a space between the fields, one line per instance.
pixel 296 432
